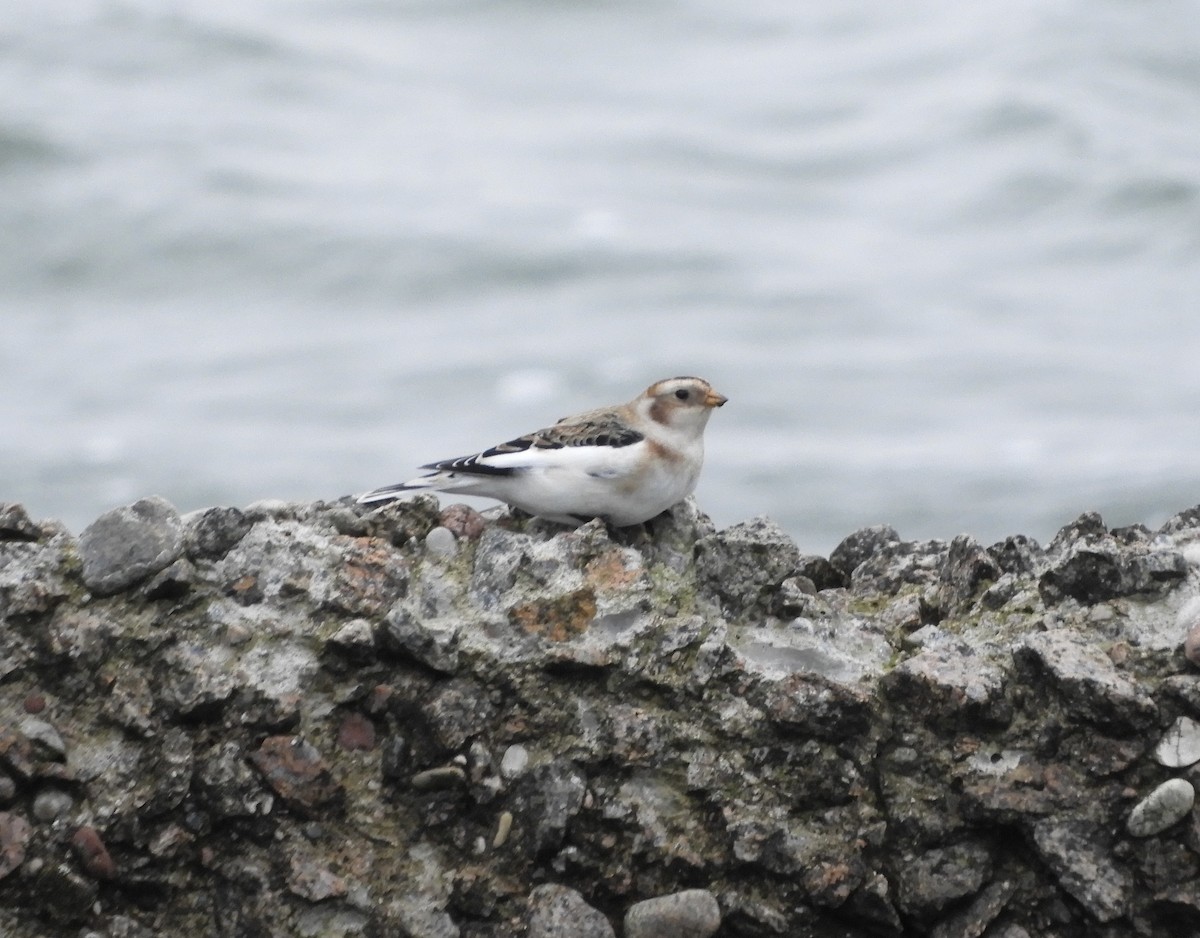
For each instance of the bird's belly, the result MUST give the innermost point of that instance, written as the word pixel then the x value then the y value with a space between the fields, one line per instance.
pixel 621 500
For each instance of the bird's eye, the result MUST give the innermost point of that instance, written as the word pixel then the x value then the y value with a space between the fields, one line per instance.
pixel 681 394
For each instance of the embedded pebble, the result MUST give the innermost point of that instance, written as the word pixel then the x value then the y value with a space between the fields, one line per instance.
pixel 44 736
pixel 693 913
pixel 8 789
pixel 128 544
pixel 1180 745
pixel 560 912
pixel 52 803
pixel 514 761
pixel 446 777
pixel 1168 804
pixel 503 829
pixel 93 855
pixel 297 772
pixel 463 521
pixel 441 541
pixel 355 637
pixel 356 732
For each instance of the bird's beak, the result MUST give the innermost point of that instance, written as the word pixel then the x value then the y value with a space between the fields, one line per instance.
pixel 713 399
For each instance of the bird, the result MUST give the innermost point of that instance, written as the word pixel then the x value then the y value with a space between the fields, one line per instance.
pixel 623 464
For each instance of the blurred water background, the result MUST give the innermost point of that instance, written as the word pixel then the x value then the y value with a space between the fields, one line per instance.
pixel 943 258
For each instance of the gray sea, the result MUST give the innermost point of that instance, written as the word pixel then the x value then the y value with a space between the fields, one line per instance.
pixel 943 258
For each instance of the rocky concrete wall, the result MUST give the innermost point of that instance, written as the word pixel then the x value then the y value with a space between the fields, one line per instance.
pixel 309 720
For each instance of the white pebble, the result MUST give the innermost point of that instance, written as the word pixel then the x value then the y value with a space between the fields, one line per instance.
pixel 1168 804
pixel 514 761
pixel 441 541
pixel 1180 745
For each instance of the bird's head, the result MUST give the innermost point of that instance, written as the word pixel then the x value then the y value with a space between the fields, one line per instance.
pixel 681 403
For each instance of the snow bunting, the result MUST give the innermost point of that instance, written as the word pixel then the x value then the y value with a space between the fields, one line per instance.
pixel 623 464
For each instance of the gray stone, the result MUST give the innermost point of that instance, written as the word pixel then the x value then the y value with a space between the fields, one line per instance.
pixel 1089 564
pixel 860 546
pixel 693 913
pixel 431 641
pixel 44 737
pixel 1086 679
pixel 420 921
pixel 15 524
pixel 34 578
pixel 172 582
pixel 1018 555
pixel 51 803
pixel 817 706
pixel 1184 522
pixel 897 566
pixel 544 802
pixel 214 532
pixel 560 912
pixel 459 710
pixel 355 639
pixel 928 883
pixel 745 561
pixel 227 787
pixel 871 905
pixel 966 573
pixel 498 557
pixel 1165 806
pixel 974 920
pixel 949 682
pixel 1078 854
pixel 128 544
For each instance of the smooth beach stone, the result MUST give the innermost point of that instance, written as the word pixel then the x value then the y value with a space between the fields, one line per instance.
pixel 1168 804
pixel 128 544
pixel 1180 745
pixel 693 913
pixel 441 541
pixel 514 761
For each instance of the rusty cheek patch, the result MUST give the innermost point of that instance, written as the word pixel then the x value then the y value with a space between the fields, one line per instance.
pixel 660 410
